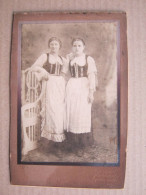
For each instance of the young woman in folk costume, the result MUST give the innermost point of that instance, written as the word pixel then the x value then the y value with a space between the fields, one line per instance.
pixel 79 96
pixel 50 67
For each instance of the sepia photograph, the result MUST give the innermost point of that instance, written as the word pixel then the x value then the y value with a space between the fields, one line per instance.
pixel 69 97
pixel 69 92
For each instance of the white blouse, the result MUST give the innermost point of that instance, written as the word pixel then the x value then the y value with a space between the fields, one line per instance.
pixel 38 65
pixel 92 70
pixel 53 60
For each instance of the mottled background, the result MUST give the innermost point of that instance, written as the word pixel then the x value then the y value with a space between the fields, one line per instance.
pixel 101 44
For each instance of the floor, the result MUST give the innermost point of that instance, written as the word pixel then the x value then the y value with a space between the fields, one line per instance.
pixel 91 154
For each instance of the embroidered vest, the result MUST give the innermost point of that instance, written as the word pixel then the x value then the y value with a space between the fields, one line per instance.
pixel 77 70
pixel 54 69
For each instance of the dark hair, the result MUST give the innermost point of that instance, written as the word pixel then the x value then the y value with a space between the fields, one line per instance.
pixel 54 39
pixel 78 39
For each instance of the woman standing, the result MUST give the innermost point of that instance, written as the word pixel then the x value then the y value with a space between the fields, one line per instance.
pixel 80 90
pixel 49 68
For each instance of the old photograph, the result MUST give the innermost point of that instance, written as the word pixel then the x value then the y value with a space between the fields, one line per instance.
pixel 69 92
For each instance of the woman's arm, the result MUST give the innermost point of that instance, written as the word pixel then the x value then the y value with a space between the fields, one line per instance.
pixel 65 69
pixel 37 67
pixel 39 63
pixel 92 76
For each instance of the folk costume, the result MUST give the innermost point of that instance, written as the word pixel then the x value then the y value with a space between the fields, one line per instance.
pixel 83 79
pixel 53 101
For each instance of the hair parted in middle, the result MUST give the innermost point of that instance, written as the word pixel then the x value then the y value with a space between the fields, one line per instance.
pixel 54 39
pixel 78 39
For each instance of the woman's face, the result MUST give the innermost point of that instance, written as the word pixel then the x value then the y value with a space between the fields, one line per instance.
pixel 54 46
pixel 78 47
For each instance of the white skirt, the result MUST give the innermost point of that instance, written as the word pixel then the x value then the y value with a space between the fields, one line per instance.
pixel 53 109
pixel 78 110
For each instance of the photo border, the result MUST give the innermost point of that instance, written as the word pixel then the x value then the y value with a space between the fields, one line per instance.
pixel 107 175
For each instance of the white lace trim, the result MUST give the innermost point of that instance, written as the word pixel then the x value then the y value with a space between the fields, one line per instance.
pixel 53 137
pixel 43 110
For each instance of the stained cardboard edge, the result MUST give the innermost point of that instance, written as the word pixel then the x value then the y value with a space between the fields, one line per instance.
pixel 69 176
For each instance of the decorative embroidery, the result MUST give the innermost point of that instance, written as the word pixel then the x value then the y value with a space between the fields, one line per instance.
pixel 52 68
pixel 79 71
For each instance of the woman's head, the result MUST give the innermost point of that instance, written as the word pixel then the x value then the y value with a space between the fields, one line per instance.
pixel 78 46
pixel 54 44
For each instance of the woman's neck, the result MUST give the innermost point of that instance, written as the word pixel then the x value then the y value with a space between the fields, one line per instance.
pixel 78 55
pixel 54 54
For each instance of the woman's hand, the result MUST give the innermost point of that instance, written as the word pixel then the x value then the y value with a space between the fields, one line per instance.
pixel 40 73
pixel 91 96
pixel 45 74
pixel 70 56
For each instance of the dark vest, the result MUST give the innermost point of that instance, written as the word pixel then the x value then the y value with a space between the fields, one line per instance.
pixel 77 70
pixel 54 69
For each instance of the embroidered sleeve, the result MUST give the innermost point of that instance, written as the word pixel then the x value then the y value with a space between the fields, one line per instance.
pixel 92 73
pixel 91 65
pixel 40 61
